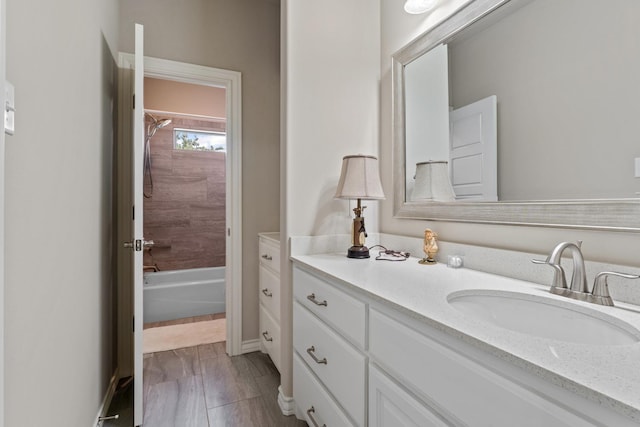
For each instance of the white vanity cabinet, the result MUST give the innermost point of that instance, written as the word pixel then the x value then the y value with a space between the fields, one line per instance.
pixel 359 360
pixel 269 295
pixel 328 342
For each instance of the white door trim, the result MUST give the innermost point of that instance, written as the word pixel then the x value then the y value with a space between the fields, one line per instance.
pixel 232 82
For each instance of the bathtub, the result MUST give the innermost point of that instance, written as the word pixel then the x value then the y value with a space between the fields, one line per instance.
pixel 170 295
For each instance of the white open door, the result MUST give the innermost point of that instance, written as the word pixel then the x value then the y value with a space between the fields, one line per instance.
pixel 138 243
pixel 473 153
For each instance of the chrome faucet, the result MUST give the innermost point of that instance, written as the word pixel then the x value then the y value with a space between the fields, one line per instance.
pixel 579 290
pixel 579 277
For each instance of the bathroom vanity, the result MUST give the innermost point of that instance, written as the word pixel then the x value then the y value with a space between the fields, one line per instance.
pixel 381 343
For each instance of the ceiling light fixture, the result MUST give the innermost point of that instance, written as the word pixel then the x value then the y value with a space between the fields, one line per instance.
pixel 416 7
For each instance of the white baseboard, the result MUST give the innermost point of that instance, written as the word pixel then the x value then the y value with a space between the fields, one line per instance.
pixel 250 346
pixel 287 404
pixel 104 407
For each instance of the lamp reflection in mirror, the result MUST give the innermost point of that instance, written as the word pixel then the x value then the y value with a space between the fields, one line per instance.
pixel 359 180
pixel 432 182
pixel 416 7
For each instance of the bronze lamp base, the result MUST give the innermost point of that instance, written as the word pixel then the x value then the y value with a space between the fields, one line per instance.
pixel 358 252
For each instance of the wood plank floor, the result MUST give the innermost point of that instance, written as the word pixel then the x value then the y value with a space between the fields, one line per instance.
pixel 203 387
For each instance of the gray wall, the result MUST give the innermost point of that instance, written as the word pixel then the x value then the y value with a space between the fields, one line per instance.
pixel 331 57
pixel 565 74
pixel 239 35
pixel 427 112
pixel 59 326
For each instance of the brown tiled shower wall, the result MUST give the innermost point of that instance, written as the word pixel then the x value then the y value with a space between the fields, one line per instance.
pixel 185 215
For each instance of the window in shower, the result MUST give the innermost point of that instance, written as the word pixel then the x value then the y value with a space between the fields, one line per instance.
pixel 199 140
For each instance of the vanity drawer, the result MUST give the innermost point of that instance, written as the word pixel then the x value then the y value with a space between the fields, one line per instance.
pixel 458 388
pixel 339 366
pixel 270 336
pixel 318 408
pixel 270 292
pixel 343 312
pixel 269 254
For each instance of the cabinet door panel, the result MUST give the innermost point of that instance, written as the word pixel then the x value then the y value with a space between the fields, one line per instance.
pixel 458 385
pixel 390 406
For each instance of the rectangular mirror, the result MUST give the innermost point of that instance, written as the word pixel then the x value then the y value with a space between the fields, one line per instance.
pixel 555 81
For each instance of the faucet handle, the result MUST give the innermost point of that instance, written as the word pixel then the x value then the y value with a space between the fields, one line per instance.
pixel 600 290
pixel 559 283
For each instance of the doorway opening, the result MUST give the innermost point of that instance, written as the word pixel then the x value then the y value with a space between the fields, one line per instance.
pixel 230 82
pixel 184 214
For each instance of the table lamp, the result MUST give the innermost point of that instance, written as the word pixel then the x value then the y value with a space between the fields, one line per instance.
pixel 432 182
pixel 360 180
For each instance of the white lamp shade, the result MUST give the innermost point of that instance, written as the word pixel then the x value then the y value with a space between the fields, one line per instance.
pixel 432 182
pixel 359 179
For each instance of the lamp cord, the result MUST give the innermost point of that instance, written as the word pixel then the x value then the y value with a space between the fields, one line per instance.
pixel 390 255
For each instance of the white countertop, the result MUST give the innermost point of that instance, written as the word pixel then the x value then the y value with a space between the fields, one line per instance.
pixel 608 375
pixel 273 236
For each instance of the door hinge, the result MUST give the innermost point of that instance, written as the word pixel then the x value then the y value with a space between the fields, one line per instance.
pixel 228 232
pixel 134 101
pixel 133 324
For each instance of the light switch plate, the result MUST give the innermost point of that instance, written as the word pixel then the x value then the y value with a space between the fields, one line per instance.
pixel 637 174
pixel 10 108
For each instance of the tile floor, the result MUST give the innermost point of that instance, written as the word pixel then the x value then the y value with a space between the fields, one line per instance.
pixel 203 387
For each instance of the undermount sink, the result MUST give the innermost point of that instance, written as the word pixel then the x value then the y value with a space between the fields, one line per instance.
pixel 544 317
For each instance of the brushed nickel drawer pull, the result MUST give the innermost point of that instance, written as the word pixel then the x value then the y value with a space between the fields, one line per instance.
pixel 266 292
pixel 311 351
pixel 313 299
pixel 310 413
pixel 267 257
pixel 266 336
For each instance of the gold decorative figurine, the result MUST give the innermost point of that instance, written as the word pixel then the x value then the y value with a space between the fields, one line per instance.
pixel 430 247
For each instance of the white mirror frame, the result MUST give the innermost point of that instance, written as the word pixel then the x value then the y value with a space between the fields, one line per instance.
pixel 600 214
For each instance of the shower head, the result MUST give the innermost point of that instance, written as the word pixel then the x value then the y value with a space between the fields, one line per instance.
pixel 157 123
pixel 153 127
pixel 162 123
